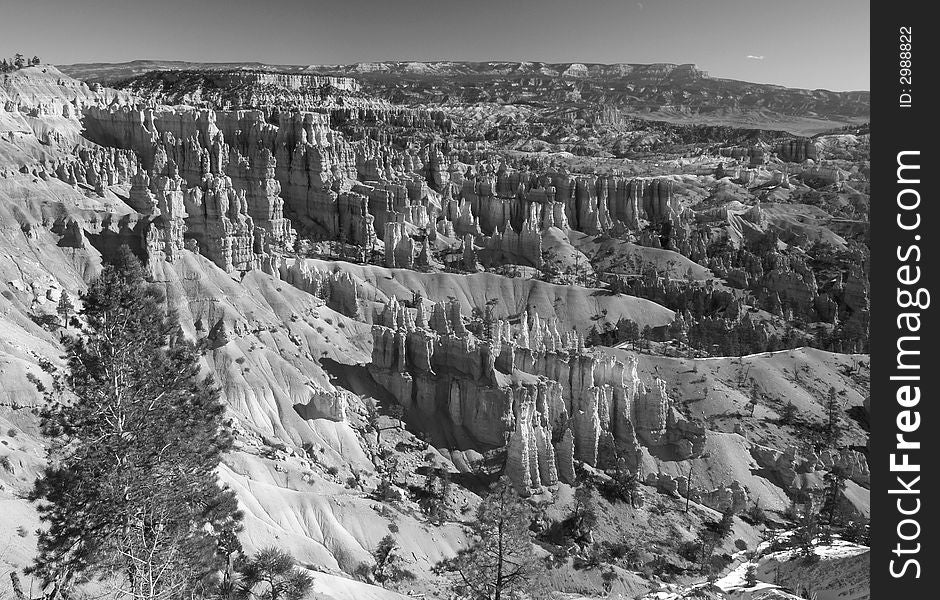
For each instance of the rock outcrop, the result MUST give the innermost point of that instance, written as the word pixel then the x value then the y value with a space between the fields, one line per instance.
pixel 527 388
pixel 786 466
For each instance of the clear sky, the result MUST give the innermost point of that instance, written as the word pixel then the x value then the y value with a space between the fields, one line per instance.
pixel 797 43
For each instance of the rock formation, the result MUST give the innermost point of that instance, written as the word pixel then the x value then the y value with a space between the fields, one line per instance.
pixel 526 388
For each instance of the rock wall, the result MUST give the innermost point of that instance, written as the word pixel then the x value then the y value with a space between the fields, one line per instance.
pixel 221 225
pixel 796 150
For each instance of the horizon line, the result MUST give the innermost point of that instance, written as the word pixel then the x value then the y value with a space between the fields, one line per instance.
pixel 458 61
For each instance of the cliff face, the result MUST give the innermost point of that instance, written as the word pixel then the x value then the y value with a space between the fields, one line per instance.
pixel 525 388
pixel 651 87
pixel 334 190
pixel 239 88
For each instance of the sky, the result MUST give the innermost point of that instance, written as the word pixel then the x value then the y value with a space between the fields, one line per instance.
pixel 796 43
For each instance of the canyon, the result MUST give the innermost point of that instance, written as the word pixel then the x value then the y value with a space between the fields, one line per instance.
pixel 423 237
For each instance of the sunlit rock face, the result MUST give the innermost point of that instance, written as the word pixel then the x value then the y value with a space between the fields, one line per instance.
pixel 527 388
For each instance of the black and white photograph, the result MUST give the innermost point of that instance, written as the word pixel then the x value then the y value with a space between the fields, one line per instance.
pixel 530 300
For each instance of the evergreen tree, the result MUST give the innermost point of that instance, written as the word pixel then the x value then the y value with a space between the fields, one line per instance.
pixel 755 396
pixel 584 516
pixel 750 576
pixel 387 567
pixel 130 493
pixel 383 555
pixel 788 414
pixel 435 497
pixel 726 524
pixel 65 308
pixel 834 426
pixel 712 535
pixel 832 499
pixel 386 489
pixel 804 536
pixel 270 575
pixel 501 561
pixel 230 549
pixel 397 412
pixel 374 419
pixel 18 61
pixel 624 486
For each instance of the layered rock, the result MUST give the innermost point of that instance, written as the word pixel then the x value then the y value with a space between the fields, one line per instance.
pixel 329 405
pixel 787 466
pixel 509 247
pixel 527 388
pixel 302 170
pixel 796 150
pixel 220 224
pixel 338 288
pixel 165 238
pixel 262 194
pixel 731 498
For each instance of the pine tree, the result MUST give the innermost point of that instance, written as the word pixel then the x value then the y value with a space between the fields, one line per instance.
pixel 804 536
pixel 270 575
pixel 435 497
pixel 501 561
pixel 384 557
pixel 65 308
pixel 788 414
pixel 387 567
pixel 726 524
pixel 832 499
pixel 583 518
pixel 624 485
pixel 374 419
pixel 834 427
pixel 712 535
pixel 750 576
pixel 130 493
pixel 397 412
pixel 755 396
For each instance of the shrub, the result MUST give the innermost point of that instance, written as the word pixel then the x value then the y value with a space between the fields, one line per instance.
pixel 856 532
pixel 750 576
pixel 755 514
